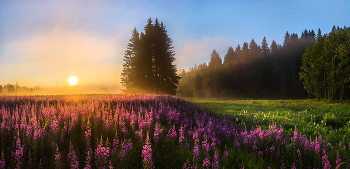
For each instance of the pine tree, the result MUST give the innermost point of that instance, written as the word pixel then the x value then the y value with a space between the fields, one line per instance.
pixel 229 57
pixel 164 58
pixel 265 51
pixel 253 52
pixel 274 48
pixel 215 60
pixel 334 29
pixel 214 66
pixel 319 34
pixel 129 77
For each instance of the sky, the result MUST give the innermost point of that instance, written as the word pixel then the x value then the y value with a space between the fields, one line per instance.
pixel 45 42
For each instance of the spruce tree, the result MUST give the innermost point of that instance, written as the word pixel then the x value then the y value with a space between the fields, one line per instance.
pixel 215 60
pixel 265 51
pixel 229 57
pixel 253 52
pixel 129 77
pixel 274 48
pixel 319 34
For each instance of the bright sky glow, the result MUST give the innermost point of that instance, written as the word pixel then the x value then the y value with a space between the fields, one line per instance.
pixel 43 42
pixel 73 80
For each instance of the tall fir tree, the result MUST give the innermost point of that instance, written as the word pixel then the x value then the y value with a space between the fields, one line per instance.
pixel 129 77
pixel 215 60
pixel 265 51
pixel 229 57
pixel 254 50
pixel 274 48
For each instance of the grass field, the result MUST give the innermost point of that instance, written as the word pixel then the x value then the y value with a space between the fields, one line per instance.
pixel 310 117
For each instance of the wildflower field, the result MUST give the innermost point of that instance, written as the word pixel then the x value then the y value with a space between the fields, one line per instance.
pixel 148 131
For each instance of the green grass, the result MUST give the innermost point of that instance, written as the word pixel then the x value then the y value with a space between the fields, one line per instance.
pixel 310 117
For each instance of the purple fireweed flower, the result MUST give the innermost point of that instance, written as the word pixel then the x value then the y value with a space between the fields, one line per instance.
pixel 236 144
pixel 57 158
pixel 187 165
pixel 126 147
pixel 293 166
pixel 213 142
pixel 295 137
pixel 299 155
pixel 62 135
pixel 157 132
pixel 317 148
pixel 272 127
pixel 171 133
pixel 115 145
pixel 206 146
pixel 245 141
pixel 37 134
pixel 147 155
pixel 139 133
pixel 54 126
pixel 325 162
pixel 195 136
pixel 206 162
pixel 337 161
pixel 88 159
pixel 255 147
pixel 18 154
pixel 225 152
pixel 101 154
pixel 261 135
pixel 87 135
pixel 272 149
pixel 88 166
pixel 307 145
pixel 181 132
pixel 72 158
pixel 196 151
pixel 215 164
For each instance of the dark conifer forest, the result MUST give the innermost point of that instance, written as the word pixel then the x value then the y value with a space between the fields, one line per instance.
pixel 275 71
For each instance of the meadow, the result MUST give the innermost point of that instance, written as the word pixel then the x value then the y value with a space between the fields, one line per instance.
pixel 154 131
pixel 310 117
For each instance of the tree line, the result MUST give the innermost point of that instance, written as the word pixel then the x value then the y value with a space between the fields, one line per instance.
pixel 326 66
pixel 14 89
pixel 256 71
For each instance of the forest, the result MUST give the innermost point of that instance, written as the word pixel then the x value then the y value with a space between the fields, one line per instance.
pixel 276 71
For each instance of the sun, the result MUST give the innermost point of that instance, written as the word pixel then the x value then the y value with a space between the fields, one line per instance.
pixel 73 80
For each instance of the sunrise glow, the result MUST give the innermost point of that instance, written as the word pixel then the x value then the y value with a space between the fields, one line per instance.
pixel 73 80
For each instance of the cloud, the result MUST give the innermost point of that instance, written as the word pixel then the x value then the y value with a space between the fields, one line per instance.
pixel 198 51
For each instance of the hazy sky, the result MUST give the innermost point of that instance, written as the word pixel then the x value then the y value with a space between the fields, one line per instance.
pixel 46 42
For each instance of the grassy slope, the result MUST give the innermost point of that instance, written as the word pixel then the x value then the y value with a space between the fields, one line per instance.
pixel 331 120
